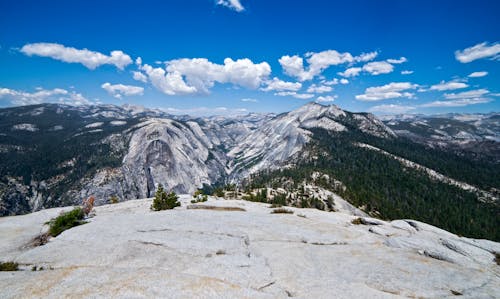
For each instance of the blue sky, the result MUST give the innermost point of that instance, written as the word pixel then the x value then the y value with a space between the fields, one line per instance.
pixel 239 56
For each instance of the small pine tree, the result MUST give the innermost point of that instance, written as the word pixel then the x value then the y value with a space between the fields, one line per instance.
pixel 164 201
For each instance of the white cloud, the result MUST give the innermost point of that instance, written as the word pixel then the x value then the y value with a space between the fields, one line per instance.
pixel 378 67
pixel 325 99
pixel 198 75
pixel 250 100
pixel 462 99
pixel 138 61
pixel 168 83
pixel 344 81
pixel 479 51
pixel 364 57
pixel 397 61
pixel 334 81
pixel 90 59
pixel 119 90
pixel 322 60
pixel 18 97
pixel 374 68
pixel 232 4
pixel 391 109
pixel 351 72
pixel 302 96
pixel 278 85
pixel 318 62
pixel 466 94
pixel 140 77
pixel 319 88
pixel 406 72
pixel 294 66
pixel 452 85
pixel 457 103
pixel 388 91
pixel 477 74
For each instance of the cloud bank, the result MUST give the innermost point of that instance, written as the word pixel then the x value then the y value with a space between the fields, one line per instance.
pixel 90 59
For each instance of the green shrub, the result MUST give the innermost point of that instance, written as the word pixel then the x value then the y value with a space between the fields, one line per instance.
pixel 219 192
pixel 199 198
pixel 281 211
pixel 357 221
pixel 164 201
pixel 66 221
pixel 9 266
pixel 113 199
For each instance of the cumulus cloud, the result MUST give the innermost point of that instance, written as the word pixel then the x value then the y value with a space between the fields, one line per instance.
pixel 364 57
pixel 294 66
pixel 378 67
pixel 351 72
pixel 326 99
pixel 168 83
pixel 479 51
pixel 318 62
pixel 374 68
pixel 302 96
pixel 140 77
pixel 406 72
pixel 344 81
pixel 477 74
pixel 198 75
pixel 397 61
pixel 391 109
pixel 452 85
pixel 457 103
pixel 90 59
pixel 334 81
pixel 319 88
pixel 57 95
pixel 466 94
pixel 278 85
pixel 388 91
pixel 232 4
pixel 120 90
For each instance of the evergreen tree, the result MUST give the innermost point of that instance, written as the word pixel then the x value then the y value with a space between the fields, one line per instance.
pixel 164 201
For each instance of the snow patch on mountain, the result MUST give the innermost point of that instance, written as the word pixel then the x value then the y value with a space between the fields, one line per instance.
pixel 118 123
pixel 94 125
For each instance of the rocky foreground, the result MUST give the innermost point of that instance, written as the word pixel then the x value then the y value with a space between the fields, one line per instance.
pixel 240 250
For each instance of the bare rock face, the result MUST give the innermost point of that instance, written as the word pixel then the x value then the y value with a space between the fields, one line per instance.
pixel 179 156
pixel 238 249
pixel 277 140
pixel 161 151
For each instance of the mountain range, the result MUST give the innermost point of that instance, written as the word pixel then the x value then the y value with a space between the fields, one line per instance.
pixel 439 169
